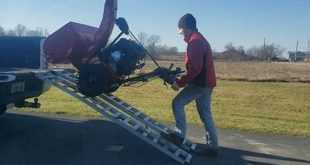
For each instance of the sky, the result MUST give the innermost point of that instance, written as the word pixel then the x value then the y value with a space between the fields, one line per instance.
pixel 241 22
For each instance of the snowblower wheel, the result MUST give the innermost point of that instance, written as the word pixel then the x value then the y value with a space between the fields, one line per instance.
pixel 95 79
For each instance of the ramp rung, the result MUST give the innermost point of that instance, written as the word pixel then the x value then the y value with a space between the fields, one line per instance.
pixel 129 108
pixel 125 119
pixel 143 118
pixel 147 119
pixel 136 127
pixel 156 140
pixel 117 115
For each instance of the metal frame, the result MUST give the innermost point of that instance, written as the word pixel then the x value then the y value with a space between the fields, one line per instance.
pixel 127 117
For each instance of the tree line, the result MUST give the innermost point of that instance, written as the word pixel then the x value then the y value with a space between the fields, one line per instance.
pixel 21 31
pixel 153 44
pixel 266 52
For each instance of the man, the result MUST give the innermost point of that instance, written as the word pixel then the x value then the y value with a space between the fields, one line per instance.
pixel 198 84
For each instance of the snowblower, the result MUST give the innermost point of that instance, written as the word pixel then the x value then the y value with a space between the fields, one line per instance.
pixel 103 67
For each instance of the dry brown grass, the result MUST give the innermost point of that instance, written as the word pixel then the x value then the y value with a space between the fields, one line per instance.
pixel 256 71
pixel 248 71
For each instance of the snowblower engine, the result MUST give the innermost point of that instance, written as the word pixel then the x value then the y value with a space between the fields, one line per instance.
pixel 125 57
pixel 118 61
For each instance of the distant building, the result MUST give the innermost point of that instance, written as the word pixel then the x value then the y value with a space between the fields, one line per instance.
pixel 307 57
pixel 298 56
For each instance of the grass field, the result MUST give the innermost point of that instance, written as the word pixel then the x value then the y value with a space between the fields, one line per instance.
pixel 256 71
pixel 269 72
pixel 250 71
pixel 276 108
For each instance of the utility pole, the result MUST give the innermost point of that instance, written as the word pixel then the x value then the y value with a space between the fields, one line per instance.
pixel 265 53
pixel 296 50
pixel 308 51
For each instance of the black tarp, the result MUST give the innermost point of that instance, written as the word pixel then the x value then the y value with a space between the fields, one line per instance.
pixel 20 52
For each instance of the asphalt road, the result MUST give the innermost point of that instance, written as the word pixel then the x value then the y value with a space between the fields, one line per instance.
pixel 32 139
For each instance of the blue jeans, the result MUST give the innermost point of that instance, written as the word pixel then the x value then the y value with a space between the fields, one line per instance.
pixel 202 97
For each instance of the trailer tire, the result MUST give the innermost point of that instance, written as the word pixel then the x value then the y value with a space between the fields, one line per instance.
pixel 2 109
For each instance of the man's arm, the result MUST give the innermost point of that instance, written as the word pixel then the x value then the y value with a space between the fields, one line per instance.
pixel 195 53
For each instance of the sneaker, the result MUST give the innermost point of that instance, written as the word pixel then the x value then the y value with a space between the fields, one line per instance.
pixel 205 150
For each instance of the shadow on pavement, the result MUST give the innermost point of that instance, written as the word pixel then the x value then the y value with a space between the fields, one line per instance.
pixel 33 140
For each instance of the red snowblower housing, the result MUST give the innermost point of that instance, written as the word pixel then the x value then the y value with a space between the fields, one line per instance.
pixel 102 68
pixel 76 43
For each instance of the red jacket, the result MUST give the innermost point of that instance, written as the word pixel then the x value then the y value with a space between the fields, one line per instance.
pixel 199 63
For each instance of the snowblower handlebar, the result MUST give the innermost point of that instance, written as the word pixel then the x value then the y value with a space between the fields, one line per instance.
pixel 166 74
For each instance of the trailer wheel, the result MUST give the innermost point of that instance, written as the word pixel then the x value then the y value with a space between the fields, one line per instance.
pixel 2 109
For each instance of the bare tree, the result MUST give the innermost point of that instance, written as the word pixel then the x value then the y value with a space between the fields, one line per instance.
pixel 173 50
pixel 241 51
pixel 166 50
pixel 152 43
pixel 20 30
pixel 2 31
pixel 230 47
pixel 234 53
pixel 142 37
pixel 231 51
pixel 11 33
pixel 267 52
pixel 153 40
pixel 39 32
pixel 273 51
pixel 254 52
pixel 33 33
pixel 46 33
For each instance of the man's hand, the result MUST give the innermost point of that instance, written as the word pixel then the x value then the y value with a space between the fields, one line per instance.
pixel 175 86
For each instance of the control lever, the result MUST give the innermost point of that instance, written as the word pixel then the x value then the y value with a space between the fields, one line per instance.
pixel 169 75
pixel 169 69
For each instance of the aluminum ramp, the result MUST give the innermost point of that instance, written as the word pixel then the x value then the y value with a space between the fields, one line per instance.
pixel 127 117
